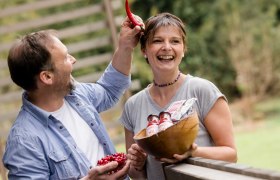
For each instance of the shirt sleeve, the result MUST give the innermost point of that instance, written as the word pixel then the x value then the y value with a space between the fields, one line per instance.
pixel 24 160
pixel 107 91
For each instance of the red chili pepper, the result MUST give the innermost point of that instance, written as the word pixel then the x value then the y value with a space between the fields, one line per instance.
pixel 130 15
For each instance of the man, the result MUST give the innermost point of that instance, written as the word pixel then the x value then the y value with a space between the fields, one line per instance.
pixel 58 133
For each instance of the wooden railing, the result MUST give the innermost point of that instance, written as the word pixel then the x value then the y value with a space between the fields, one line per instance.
pixel 200 168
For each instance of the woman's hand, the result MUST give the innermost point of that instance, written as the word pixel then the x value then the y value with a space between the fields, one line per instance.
pixel 137 157
pixel 179 157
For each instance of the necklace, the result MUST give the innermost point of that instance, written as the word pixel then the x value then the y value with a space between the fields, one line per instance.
pixel 168 84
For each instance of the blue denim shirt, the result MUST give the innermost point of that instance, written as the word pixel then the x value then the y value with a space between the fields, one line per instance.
pixel 40 147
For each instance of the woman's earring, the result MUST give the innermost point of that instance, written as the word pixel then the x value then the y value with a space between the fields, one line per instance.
pixel 145 56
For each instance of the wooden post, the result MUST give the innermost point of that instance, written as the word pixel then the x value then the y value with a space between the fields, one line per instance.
pixel 2 168
pixel 111 22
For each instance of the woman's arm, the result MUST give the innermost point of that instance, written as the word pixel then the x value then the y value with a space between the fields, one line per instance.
pixel 219 125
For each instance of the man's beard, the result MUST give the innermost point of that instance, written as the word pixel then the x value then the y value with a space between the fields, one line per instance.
pixel 71 85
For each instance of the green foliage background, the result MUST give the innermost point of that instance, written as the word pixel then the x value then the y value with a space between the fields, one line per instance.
pixel 210 24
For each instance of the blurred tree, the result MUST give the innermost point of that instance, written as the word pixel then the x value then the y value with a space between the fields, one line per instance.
pixel 233 43
pixel 253 44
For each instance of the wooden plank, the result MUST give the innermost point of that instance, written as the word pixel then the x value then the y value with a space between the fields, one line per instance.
pixel 9 115
pixel 5 81
pixel 3 64
pixel 188 171
pixel 82 29
pixel 93 60
pixel 219 167
pixel 57 18
pixel 32 6
pixel 4 134
pixel 89 77
pixel 66 33
pixel 89 44
pixel 11 96
pixel 51 19
pixel 5 46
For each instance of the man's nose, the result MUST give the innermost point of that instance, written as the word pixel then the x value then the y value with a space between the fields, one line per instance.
pixel 73 60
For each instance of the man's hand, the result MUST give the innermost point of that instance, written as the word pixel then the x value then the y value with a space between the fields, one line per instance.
pixel 130 34
pixel 101 172
pixel 128 39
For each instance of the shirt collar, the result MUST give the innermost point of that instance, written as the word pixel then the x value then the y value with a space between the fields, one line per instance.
pixel 39 114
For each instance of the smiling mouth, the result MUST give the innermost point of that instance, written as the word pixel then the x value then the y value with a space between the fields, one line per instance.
pixel 165 58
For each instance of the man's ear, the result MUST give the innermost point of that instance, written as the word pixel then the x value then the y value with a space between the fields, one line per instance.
pixel 46 77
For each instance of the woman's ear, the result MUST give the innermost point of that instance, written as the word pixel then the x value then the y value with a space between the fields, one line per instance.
pixel 185 51
pixel 46 77
pixel 144 53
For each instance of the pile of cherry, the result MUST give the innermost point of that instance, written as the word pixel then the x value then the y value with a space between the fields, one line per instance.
pixel 119 157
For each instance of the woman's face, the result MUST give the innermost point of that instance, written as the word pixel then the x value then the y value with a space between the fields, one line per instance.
pixel 165 49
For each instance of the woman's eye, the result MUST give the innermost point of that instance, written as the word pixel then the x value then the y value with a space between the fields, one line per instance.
pixel 156 41
pixel 176 41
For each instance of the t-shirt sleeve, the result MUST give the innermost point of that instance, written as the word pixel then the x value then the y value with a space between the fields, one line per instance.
pixel 125 118
pixel 207 94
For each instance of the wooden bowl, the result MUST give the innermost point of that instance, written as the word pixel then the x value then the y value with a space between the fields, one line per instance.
pixel 176 139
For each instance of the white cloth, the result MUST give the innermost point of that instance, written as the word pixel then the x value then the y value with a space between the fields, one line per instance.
pixel 80 132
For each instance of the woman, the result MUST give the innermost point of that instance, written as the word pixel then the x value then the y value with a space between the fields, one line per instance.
pixel 163 45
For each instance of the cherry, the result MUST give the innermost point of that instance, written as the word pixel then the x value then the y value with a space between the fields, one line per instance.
pixel 119 157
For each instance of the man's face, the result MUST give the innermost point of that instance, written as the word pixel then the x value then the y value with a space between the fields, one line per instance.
pixel 63 66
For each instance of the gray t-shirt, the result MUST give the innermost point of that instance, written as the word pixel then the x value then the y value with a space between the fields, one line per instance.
pixel 140 105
